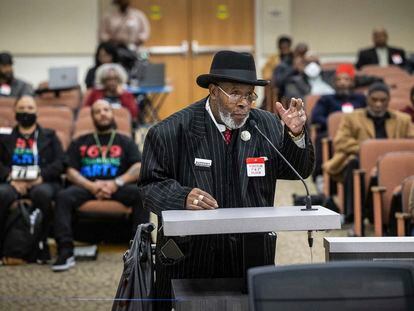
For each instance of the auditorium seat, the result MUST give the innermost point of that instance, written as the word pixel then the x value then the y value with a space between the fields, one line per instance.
pixel 375 70
pixel 310 102
pixel 7 101
pixel 70 98
pixel 392 169
pixel 84 124
pixel 64 138
pixel 108 207
pixel 370 151
pixel 4 122
pixel 7 113
pixel 405 216
pixel 334 120
pixel 271 95
pixel 57 124
pixel 338 286
pixel 332 65
pixel 60 112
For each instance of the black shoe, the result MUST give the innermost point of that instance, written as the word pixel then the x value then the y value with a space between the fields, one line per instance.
pixel 65 260
pixel 43 256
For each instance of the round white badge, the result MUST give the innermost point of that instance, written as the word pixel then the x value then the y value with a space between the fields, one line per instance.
pixel 245 135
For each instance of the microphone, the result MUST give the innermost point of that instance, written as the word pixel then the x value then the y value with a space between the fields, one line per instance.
pixel 308 197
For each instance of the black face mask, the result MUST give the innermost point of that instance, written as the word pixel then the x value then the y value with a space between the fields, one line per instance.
pixel 26 119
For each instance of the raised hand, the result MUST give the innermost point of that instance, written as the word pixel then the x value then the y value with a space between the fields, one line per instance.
pixel 294 117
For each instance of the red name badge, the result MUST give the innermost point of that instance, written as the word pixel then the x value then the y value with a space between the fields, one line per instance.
pixel 256 167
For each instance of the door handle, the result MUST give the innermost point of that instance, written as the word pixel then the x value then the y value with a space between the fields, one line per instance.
pixel 207 49
pixel 182 49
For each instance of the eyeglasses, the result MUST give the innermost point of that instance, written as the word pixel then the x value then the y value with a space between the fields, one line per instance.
pixel 236 98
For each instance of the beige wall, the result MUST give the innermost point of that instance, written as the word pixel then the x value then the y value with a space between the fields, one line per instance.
pixel 343 26
pixel 48 26
pixel 334 27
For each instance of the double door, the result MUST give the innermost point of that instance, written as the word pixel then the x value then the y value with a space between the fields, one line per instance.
pixel 185 34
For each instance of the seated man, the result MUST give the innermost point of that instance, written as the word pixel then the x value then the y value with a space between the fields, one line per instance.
pixel 9 85
pixel 344 100
pixel 374 121
pixel 381 54
pixel 31 162
pixel 103 165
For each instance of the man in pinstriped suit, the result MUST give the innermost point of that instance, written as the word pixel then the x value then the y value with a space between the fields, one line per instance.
pixel 196 159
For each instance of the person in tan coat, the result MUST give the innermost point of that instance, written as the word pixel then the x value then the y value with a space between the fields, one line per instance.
pixel 374 121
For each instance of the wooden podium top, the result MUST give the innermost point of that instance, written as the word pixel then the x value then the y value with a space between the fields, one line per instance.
pixel 248 219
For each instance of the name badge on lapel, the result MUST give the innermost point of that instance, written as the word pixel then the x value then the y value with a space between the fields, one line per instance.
pixel 202 162
pixel 256 167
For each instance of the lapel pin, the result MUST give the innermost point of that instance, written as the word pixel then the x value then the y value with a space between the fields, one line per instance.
pixel 245 135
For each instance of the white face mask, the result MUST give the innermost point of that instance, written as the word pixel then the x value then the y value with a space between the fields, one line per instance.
pixel 312 70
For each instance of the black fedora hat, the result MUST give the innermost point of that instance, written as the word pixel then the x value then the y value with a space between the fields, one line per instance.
pixel 231 66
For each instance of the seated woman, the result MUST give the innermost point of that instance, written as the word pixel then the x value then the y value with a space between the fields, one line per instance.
pixel 105 53
pixel 110 79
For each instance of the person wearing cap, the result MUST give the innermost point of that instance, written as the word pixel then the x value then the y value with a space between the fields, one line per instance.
pixel 9 85
pixel 198 159
pixel 381 53
pixel 376 121
pixel 344 99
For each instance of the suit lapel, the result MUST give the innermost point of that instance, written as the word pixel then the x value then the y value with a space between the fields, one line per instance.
pixel 245 149
pixel 197 143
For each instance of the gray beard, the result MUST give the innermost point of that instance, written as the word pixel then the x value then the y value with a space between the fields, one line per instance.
pixel 229 122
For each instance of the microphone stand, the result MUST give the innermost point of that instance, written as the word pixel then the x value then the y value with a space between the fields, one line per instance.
pixel 308 202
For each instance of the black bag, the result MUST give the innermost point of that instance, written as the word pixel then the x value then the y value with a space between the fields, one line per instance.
pixel 135 288
pixel 23 232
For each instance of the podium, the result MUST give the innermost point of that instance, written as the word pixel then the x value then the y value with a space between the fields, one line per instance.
pixel 225 294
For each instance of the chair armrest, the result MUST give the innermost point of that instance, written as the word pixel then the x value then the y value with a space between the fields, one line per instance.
pixel 358 175
pixel 380 189
pixel 326 143
pixel 401 215
pixel 377 192
pixel 401 221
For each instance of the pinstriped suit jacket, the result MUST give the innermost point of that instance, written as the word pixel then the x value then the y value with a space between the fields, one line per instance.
pixel 168 172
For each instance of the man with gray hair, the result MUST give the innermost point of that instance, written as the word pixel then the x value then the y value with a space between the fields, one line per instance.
pixel 201 159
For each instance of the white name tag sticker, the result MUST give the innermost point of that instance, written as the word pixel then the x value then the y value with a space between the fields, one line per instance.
pixel 5 89
pixel 397 59
pixel 29 172
pixel 256 167
pixel 347 108
pixel 202 162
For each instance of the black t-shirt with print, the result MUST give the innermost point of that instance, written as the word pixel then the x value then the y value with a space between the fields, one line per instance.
pixel 23 151
pixel 84 154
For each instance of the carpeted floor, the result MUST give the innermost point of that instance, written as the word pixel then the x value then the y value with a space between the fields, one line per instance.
pixel 92 284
